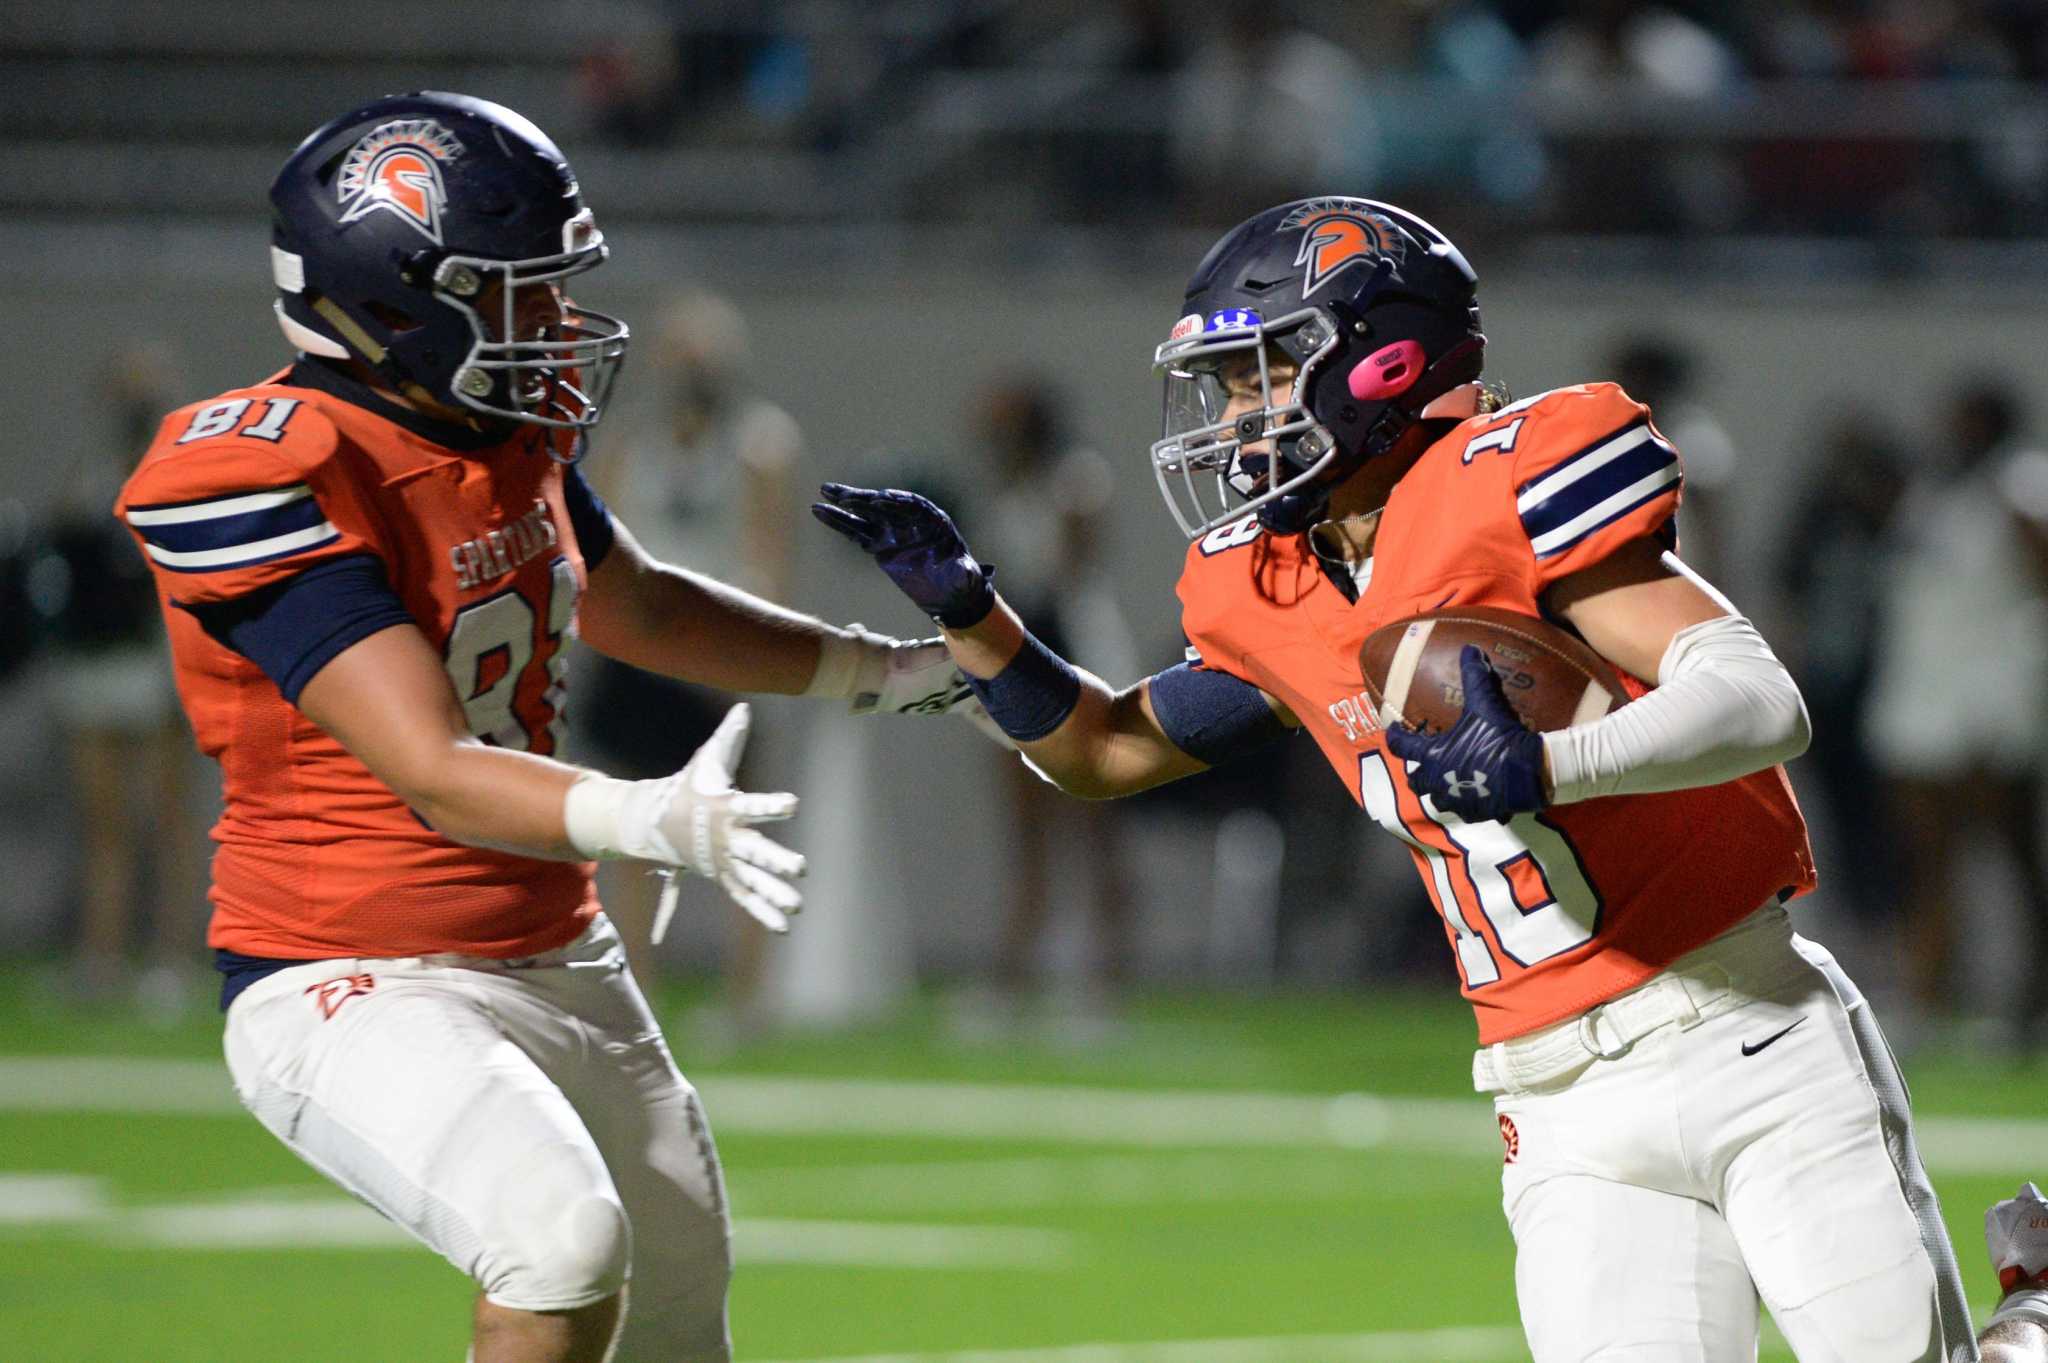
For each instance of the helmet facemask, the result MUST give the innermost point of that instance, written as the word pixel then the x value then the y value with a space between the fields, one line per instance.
pixel 560 379
pixel 1377 311
pixel 1205 472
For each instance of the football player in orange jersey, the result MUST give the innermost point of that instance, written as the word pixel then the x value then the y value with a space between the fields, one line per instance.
pixel 370 564
pixel 1700 1112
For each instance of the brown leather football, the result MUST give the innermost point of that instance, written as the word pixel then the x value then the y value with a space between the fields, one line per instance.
pixel 1552 678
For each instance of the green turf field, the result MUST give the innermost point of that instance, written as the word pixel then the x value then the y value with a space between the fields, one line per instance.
pixel 1223 1179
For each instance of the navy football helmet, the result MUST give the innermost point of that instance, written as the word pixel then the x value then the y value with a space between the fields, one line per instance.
pixel 1377 311
pixel 403 235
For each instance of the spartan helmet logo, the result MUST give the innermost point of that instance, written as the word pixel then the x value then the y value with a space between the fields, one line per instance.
pixel 397 168
pixel 1336 233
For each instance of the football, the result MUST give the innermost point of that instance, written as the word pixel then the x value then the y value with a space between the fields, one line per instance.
pixel 1552 678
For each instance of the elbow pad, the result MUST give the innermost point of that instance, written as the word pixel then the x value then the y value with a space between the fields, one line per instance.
pixel 1724 707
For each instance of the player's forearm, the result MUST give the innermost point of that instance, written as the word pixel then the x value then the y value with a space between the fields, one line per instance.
pixel 494 797
pixel 2014 1341
pixel 1724 707
pixel 1109 747
pixel 685 625
pixel 1104 746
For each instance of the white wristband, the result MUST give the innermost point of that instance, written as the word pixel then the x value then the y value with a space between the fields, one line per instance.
pixel 2028 1304
pixel 608 819
pixel 845 658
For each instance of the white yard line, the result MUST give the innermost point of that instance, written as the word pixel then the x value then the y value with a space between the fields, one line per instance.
pixel 1456 1345
pixel 1045 1113
pixel 318 1219
pixel 1032 1183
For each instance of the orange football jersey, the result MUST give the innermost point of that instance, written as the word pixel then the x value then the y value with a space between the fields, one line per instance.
pixel 317 857
pixel 1548 913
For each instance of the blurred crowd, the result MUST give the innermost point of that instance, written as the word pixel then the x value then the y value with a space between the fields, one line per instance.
pixel 1909 595
pixel 1874 118
pixel 1909 592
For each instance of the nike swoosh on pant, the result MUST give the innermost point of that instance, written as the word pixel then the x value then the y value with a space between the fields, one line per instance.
pixel 1749 1049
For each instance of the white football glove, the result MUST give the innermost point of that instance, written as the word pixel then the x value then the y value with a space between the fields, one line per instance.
pixel 880 675
pixel 906 677
pixel 2016 1233
pixel 695 821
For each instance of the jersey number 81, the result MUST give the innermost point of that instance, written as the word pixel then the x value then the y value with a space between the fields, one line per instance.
pixel 493 645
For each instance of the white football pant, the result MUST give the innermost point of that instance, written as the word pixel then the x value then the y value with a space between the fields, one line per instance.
pixel 1744 1135
pixel 523 1118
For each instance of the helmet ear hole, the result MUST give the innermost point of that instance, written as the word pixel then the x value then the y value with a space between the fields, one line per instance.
pixel 390 318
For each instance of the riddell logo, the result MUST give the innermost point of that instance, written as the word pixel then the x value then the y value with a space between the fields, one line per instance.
pixel 329 995
pixel 397 168
pixel 1509 1137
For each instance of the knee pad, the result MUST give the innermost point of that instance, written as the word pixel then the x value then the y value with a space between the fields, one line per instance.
pixel 560 1238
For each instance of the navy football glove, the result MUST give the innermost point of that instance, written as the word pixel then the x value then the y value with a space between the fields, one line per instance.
pixel 1488 766
pixel 917 545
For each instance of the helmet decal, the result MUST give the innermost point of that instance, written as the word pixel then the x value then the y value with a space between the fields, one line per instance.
pixel 397 167
pixel 1348 358
pixel 1336 233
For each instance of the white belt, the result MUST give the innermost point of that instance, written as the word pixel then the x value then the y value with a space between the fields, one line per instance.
pixel 1706 982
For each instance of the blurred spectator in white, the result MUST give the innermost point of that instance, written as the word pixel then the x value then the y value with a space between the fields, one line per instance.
pixel 1045 529
pixel 707 482
pixel 1958 713
pixel 139 875
pixel 1832 578
pixel 1596 43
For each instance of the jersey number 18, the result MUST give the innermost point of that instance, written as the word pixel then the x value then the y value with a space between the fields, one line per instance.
pixel 1524 874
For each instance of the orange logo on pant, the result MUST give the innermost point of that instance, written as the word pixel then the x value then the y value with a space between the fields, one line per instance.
pixel 329 995
pixel 1509 1137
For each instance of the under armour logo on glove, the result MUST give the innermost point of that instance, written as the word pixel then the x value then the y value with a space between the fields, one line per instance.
pixel 1453 787
pixel 1488 766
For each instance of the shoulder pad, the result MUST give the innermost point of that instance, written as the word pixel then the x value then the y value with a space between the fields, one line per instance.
pixel 1585 459
pixel 244 482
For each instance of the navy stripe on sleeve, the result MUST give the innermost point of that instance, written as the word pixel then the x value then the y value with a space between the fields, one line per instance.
pixel 234 530
pixel 1595 487
pixel 588 517
pixel 295 628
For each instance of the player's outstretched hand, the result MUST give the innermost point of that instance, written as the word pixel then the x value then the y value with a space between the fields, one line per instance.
pixel 707 823
pixel 1488 766
pixel 2016 1234
pixel 917 545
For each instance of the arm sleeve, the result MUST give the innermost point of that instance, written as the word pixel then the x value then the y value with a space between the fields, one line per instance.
pixel 1724 707
pixel 293 628
pixel 1213 716
pixel 589 518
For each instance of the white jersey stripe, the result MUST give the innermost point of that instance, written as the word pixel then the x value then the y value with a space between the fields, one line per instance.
pixel 240 554
pixel 1557 480
pixel 238 505
pixel 1591 519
